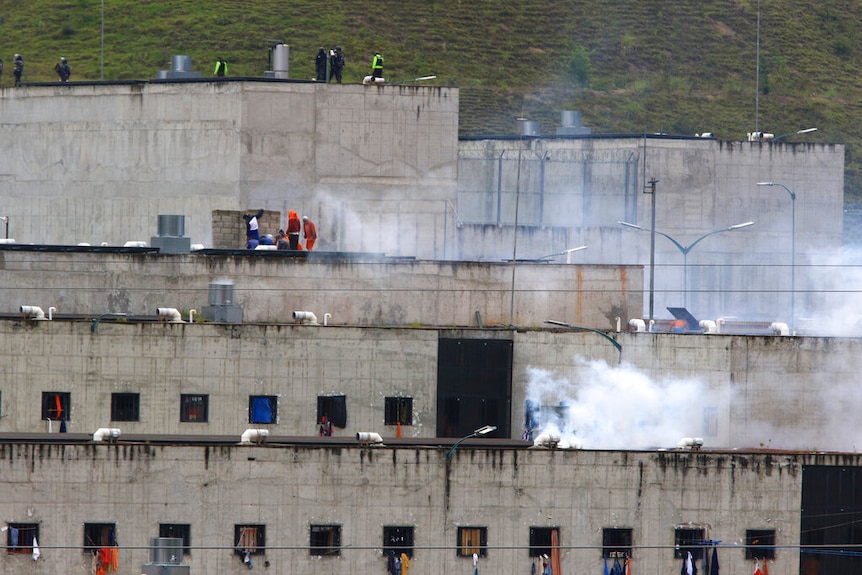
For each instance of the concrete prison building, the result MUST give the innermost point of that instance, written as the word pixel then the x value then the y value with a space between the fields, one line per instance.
pixel 280 442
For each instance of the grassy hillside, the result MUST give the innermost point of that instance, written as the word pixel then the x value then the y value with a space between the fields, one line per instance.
pixel 627 65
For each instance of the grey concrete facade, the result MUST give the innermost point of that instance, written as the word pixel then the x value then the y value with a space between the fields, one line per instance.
pixel 287 489
pixel 723 388
pixel 99 162
pixel 380 170
pixel 359 290
pixel 573 191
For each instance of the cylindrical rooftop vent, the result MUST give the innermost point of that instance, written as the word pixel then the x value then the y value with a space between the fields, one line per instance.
pixel 221 293
pixel 570 118
pixel 181 63
pixel 172 226
pixel 280 58
pixel 166 550
pixel 529 128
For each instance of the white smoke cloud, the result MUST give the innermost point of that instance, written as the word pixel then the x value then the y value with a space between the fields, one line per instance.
pixel 834 299
pixel 616 407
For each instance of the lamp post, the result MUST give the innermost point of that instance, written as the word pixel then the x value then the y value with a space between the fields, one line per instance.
pixel 805 131
pixel 568 253
pixel 484 430
pixel 614 342
pixel 688 248
pixel 792 248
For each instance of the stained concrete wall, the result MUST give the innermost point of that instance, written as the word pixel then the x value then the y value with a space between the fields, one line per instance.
pixel 289 488
pixel 99 162
pixel 361 290
pixel 573 191
pixel 794 393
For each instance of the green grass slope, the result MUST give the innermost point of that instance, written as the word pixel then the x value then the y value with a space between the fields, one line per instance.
pixel 627 65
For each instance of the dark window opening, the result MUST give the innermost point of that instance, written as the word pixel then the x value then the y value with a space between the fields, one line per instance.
pixel 542 540
pixel 399 410
pixel 249 539
pixel 325 540
pixel 20 537
pixel 180 531
pixel 262 409
pixel 56 405
pixel 194 408
pixel 760 543
pixel 616 542
pixel 472 540
pixel 125 406
pixel 398 540
pixel 331 410
pixel 98 535
pixel 688 539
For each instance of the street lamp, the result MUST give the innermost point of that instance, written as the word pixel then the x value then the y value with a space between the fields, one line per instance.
pixel 792 248
pixel 614 342
pixel 805 131
pixel 688 248
pixel 484 430
pixel 567 253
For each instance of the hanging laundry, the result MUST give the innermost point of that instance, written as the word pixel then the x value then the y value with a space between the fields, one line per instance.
pixel 115 558
pixel 13 537
pixel 629 566
pixel 689 567
pixel 617 569
pixel 757 570
pixel 405 563
pixel 36 552
pixel 713 569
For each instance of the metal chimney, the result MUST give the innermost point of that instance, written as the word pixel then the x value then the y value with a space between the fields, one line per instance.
pixel 222 307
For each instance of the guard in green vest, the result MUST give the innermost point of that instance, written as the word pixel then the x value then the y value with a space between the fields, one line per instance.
pixel 220 67
pixel 377 66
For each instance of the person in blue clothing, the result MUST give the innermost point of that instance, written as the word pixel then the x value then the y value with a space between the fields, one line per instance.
pixel 252 225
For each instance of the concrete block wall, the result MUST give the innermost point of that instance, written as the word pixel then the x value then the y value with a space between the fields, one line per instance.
pixel 213 488
pixel 100 162
pixel 361 290
pixel 734 391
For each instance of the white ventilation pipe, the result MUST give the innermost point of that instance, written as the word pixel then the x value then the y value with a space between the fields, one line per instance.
pixel 708 326
pixel 547 439
pixel 192 313
pixel 32 312
pixel 170 314
pixel 7 241
pixel 618 321
pixel 690 443
pixel 305 317
pixel 637 324
pixel 106 433
pixel 326 318
pixel 196 247
pixel 135 244
pixel 780 328
pixel 51 311
pixel 368 437
pixel 254 436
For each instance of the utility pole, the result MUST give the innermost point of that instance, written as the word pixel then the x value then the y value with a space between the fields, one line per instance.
pixel 651 190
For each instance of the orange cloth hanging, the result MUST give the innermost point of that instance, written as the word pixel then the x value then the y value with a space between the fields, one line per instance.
pixel 556 566
pixel 115 558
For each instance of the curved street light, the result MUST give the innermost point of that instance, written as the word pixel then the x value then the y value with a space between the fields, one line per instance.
pixel 567 253
pixel 792 248
pixel 688 248
pixel 484 430
pixel 805 131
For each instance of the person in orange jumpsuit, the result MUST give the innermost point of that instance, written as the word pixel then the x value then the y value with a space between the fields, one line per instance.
pixel 293 228
pixel 310 231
